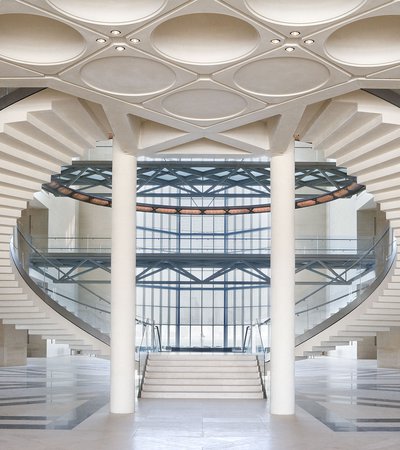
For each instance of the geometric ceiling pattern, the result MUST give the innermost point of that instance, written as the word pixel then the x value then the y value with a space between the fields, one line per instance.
pixel 201 77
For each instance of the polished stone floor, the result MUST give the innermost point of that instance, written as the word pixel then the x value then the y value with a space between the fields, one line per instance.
pixel 62 403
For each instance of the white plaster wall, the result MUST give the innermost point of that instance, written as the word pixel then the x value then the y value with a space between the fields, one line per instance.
pixel 54 349
pixel 345 351
pixel 310 224
pixel 95 221
pixel 342 218
pixel 342 228
pixel 63 214
pixel 63 224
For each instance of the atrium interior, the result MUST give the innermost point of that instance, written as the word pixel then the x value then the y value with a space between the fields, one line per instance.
pixel 199 207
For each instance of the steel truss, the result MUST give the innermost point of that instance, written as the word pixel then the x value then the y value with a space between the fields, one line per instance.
pixel 204 269
pixel 315 183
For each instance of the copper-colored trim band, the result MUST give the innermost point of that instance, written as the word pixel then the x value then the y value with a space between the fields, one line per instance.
pixel 347 191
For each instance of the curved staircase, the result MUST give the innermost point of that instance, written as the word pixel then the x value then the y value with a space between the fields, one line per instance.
pixel 362 133
pixel 37 136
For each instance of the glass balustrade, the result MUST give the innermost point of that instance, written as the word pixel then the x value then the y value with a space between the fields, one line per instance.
pixel 202 244
pixel 331 273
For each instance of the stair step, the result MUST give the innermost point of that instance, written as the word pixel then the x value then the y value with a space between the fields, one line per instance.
pixel 7 277
pixel 50 334
pixel 75 346
pixel 15 309
pixel 335 343
pixel 204 395
pixel 8 283
pixel 360 333
pixel 200 388
pixel 231 374
pixel 4 289
pixel 366 327
pixel 350 131
pixel 391 293
pixel 344 339
pixel 15 304
pixel 386 305
pixel 70 342
pixel 22 315
pixel 378 324
pixel 53 337
pixel 28 321
pixel 395 313
pixel 201 369
pixel 375 317
pixel 323 348
pixel 171 356
pixel 313 353
pixel 13 296
pixel 43 327
pixel 203 363
pixel 389 299
pixel 203 381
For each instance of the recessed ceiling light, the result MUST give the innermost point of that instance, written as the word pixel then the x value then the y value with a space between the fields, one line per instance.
pixel 115 32
pixel 295 33
pixel 289 49
pixel 120 48
pixel 101 40
pixel 135 40
pixel 275 41
pixel 309 41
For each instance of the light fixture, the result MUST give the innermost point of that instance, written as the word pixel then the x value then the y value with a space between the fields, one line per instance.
pixel 295 33
pixel 115 32
pixel 120 48
pixel 289 49
pixel 275 41
pixel 309 41
pixel 101 40
pixel 135 40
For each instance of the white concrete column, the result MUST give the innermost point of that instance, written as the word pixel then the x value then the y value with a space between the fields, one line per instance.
pixel 123 282
pixel 282 283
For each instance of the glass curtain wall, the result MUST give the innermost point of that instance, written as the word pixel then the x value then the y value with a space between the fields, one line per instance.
pixel 203 306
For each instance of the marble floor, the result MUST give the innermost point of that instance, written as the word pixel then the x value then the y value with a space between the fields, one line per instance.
pixel 62 403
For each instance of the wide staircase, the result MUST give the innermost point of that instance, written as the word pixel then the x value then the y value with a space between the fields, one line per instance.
pixel 202 375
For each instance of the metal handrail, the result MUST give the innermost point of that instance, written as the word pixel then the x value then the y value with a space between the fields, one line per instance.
pixel 246 335
pixel 352 305
pixel 249 331
pixel 355 263
pixel 43 295
pixel 346 309
pixel 263 244
pixel 51 264
pixel 154 348
pixel 53 304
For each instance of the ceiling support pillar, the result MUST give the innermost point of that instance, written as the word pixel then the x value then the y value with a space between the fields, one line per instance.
pixel 123 282
pixel 282 283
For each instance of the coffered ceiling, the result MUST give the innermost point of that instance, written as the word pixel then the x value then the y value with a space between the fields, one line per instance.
pixel 201 77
